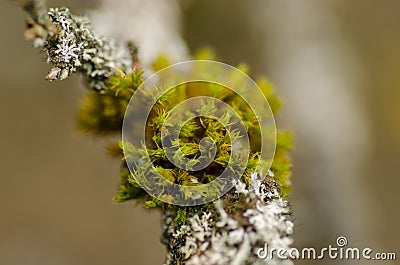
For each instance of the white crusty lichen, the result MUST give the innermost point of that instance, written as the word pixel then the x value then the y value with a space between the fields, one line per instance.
pixel 222 235
pixel 76 47
pixel 72 46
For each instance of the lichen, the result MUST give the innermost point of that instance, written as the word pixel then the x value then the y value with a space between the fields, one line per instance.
pixel 71 46
pixel 218 236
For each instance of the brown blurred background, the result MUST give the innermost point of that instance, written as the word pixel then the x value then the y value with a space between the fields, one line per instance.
pixel 336 65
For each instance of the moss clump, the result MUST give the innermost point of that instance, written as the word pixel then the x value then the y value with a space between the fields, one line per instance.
pixel 103 114
pixel 180 217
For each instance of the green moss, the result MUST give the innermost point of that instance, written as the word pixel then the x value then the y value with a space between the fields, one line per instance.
pixel 104 113
pixel 180 217
pixel 153 203
pixel 160 63
pixel 129 188
pixel 206 53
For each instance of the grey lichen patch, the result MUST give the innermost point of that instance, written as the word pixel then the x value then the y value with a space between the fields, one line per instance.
pixel 215 236
pixel 72 46
pixel 76 47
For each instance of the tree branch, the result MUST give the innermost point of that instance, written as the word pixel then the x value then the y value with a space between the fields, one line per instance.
pixel 230 231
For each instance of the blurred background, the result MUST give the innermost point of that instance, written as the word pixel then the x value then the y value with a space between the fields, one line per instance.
pixel 335 64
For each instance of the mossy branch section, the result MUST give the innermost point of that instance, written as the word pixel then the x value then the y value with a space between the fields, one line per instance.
pixel 102 114
pixel 193 235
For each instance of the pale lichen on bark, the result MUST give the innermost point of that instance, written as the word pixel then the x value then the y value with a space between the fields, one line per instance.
pixel 71 46
pixel 233 231
pixel 229 231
